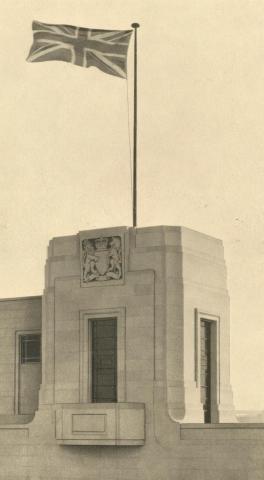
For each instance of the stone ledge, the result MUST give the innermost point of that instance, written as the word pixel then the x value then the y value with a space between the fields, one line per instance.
pixel 15 419
pixel 222 431
pixel 100 424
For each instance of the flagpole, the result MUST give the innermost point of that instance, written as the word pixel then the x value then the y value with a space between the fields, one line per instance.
pixel 135 26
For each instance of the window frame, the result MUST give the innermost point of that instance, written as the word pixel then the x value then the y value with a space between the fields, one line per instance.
pixel 86 318
pixel 18 364
pixel 215 322
pixel 24 360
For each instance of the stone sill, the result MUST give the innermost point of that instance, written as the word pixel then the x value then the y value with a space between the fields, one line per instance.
pixel 222 431
pixel 100 424
pixel 15 419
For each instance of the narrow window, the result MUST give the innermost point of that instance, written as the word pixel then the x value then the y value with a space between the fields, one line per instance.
pixel 205 371
pixel 30 348
pixel 104 360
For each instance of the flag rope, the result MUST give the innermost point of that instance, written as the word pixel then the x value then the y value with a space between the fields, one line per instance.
pixel 135 26
pixel 130 146
pixel 87 47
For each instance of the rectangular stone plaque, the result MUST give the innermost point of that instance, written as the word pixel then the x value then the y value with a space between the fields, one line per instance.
pixel 85 423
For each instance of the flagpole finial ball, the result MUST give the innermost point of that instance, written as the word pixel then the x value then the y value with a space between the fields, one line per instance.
pixel 135 25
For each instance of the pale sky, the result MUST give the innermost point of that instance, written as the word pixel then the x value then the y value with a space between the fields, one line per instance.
pixel 64 136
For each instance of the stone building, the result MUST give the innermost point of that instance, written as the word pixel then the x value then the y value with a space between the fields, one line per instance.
pixel 121 369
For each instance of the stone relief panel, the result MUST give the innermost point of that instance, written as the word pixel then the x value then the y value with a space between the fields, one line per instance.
pixel 101 259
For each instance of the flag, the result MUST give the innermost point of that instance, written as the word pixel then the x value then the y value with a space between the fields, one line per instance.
pixel 86 47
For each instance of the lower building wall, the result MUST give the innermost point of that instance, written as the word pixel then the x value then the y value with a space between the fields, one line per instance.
pixel 27 454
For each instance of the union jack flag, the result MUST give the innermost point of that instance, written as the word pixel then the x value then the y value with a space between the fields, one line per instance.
pixel 86 47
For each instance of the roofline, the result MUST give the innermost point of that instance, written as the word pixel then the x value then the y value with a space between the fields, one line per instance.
pixel 33 297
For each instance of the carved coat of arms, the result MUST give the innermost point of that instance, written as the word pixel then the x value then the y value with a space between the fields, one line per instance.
pixel 101 259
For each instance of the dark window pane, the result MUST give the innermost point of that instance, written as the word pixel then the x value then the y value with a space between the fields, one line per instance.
pixel 104 360
pixel 30 348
